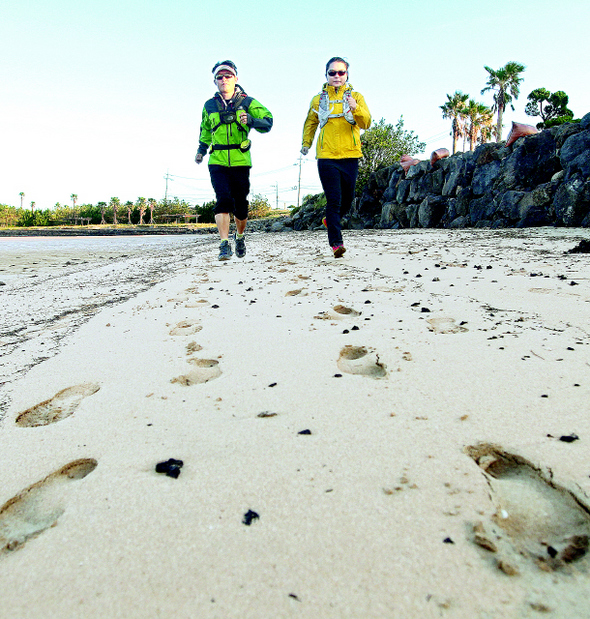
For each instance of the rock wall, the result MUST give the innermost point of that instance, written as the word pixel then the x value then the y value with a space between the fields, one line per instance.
pixel 540 180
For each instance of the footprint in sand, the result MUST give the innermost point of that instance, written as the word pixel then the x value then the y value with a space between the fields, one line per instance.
pixel 205 370
pixel 338 311
pixel 61 405
pixel 39 506
pixel 186 327
pixel 441 324
pixel 541 519
pixel 359 360
pixel 193 347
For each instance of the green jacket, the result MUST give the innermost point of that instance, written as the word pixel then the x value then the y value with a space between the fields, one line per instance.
pixel 224 139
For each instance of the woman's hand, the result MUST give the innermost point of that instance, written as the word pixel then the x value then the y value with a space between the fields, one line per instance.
pixel 351 102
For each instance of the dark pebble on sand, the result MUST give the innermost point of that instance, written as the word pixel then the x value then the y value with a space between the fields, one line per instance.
pixel 355 328
pixel 448 540
pixel 249 517
pixel 551 552
pixel 570 438
pixel 273 384
pixel 424 310
pixel 306 432
pixel 170 467
pixel 337 375
pixel 346 331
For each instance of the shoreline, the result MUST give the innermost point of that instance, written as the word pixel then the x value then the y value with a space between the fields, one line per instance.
pixel 107 230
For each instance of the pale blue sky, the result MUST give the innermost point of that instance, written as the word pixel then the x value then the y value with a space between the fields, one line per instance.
pixel 101 97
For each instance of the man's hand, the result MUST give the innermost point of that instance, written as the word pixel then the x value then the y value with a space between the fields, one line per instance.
pixel 199 158
pixel 243 118
pixel 304 150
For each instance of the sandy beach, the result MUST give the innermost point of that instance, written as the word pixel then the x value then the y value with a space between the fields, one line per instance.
pixel 401 433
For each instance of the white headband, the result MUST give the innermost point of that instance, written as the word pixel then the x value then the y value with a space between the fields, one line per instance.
pixel 225 67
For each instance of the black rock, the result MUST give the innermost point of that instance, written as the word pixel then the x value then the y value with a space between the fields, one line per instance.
pixel 249 517
pixel 569 439
pixel 170 467
pixel 583 247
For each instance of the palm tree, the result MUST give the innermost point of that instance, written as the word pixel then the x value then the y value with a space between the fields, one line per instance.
pixel 115 203
pixel 22 197
pixel 151 205
pixel 477 114
pixel 452 109
pixel 142 205
pixel 103 207
pixel 487 129
pixel 505 81
pixel 73 198
pixel 129 206
pixel 33 207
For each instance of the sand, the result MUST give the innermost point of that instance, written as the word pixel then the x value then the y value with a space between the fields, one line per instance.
pixel 389 421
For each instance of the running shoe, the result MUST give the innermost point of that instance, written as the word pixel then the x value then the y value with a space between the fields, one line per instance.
pixel 240 246
pixel 338 251
pixel 225 252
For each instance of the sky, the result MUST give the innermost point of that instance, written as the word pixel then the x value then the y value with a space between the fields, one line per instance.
pixel 103 98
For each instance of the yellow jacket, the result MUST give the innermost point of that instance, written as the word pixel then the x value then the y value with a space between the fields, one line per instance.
pixel 338 139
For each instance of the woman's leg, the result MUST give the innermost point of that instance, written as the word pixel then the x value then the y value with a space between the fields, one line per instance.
pixel 330 177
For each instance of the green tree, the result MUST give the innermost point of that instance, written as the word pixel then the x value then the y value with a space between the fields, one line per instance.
pixel 453 109
pixel 206 212
pixel 477 116
pixel 259 207
pixel 551 107
pixel 22 197
pixel 383 144
pixel 505 81
pixel 74 198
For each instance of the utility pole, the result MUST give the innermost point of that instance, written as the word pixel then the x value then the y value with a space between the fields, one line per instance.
pixel 276 186
pixel 167 177
pixel 299 183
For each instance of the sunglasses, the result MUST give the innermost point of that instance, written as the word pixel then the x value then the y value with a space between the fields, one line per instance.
pixel 334 73
pixel 221 76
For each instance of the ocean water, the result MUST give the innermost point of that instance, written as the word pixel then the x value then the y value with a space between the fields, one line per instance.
pixel 93 244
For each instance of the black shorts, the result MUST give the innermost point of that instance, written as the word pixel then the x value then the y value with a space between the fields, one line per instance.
pixel 231 186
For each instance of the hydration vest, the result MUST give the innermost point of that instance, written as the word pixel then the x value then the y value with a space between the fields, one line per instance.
pixel 228 114
pixel 325 112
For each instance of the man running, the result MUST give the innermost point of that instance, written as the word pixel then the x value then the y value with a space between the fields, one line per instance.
pixel 226 122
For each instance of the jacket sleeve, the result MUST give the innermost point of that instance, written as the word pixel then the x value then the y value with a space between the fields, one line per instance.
pixel 205 134
pixel 361 114
pixel 310 125
pixel 259 117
